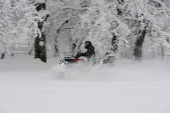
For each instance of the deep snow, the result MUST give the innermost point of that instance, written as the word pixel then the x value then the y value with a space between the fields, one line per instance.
pixel 30 86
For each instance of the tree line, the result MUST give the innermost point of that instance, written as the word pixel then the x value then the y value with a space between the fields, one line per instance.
pixel 129 28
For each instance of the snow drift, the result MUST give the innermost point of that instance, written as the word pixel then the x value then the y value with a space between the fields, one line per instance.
pixel 123 70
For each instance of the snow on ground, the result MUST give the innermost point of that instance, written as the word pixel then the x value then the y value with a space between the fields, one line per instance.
pixel 30 86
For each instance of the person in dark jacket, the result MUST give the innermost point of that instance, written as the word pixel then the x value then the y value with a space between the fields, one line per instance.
pixel 90 53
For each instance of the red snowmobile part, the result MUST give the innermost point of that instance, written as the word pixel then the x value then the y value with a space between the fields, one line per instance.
pixel 78 60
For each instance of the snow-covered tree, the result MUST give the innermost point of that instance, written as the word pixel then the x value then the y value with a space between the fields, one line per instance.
pixel 63 30
pixel 17 17
pixel 102 18
pixel 131 21
pixel 123 26
pixel 148 20
pixel 40 40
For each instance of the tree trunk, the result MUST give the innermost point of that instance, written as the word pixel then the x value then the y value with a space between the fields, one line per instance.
pixel 43 48
pixel 30 51
pixel 73 47
pixel 37 47
pixel 40 42
pixel 2 55
pixel 162 52
pixel 40 48
pixel 56 50
pixel 138 45
pixel 114 43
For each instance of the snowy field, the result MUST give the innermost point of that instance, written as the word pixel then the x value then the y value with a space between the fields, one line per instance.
pixel 30 86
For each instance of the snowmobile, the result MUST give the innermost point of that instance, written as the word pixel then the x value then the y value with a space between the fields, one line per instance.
pixel 108 58
pixel 70 60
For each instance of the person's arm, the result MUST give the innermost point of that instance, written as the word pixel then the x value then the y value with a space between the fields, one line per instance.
pixel 87 53
pixel 79 55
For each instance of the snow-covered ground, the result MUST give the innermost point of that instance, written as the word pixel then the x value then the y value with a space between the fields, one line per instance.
pixel 30 86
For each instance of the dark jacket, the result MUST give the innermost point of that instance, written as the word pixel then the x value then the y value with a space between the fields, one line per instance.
pixel 89 53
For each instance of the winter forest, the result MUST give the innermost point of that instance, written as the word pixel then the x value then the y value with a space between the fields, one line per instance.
pixel 37 35
pixel 132 29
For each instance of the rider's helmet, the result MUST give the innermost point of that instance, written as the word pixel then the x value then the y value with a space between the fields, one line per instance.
pixel 87 44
